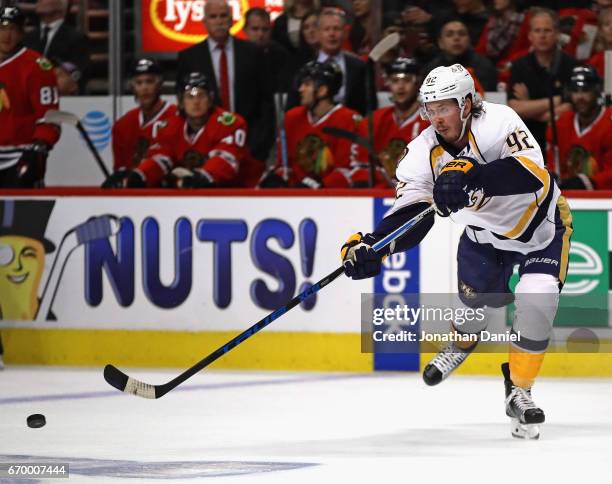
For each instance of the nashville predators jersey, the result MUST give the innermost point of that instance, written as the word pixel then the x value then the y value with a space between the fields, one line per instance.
pixel 508 213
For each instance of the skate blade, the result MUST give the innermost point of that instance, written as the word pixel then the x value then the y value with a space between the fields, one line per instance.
pixel 525 431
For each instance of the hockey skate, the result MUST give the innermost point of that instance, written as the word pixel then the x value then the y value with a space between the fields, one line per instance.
pixel 524 414
pixel 445 363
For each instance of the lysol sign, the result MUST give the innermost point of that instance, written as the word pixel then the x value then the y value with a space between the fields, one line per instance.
pixel 172 25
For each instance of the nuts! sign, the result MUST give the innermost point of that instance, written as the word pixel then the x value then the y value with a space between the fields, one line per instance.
pixel 172 25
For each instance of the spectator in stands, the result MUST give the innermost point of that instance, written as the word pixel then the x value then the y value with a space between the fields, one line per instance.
pixel 309 35
pixel 56 39
pixel 420 28
pixel 286 28
pixel 505 34
pixel 233 68
pixel 397 125
pixel 202 148
pixel 472 13
pixel 258 30
pixel 538 79
pixel 361 34
pixel 28 89
pixel 455 48
pixel 314 158
pixel 584 135
pixel 352 93
pixel 604 40
pixel 137 130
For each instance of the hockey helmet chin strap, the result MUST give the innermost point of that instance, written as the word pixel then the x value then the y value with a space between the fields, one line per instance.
pixel 463 122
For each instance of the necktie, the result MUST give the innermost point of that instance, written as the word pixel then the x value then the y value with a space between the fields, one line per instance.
pixel 45 38
pixel 224 78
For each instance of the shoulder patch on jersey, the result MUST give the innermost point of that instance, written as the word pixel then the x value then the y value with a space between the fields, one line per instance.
pixel 357 118
pixel 44 63
pixel 227 119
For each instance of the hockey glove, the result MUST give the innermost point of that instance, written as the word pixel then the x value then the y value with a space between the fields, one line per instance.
pixel 360 260
pixel 456 179
pixel 579 182
pixel 196 180
pixel 32 165
pixel 135 180
pixel 309 182
pixel 117 179
pixel 273 180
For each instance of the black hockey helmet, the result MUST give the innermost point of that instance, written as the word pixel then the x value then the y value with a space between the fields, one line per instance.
pixel 585 78
pixel 322 73
pixel 146 65
pixel 195 79
pixel 402 65
pixel 12 15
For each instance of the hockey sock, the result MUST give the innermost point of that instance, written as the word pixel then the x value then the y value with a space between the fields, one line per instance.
pixel 524 366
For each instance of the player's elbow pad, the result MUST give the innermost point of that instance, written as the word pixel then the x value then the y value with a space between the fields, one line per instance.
pixel 507 176
pixel 397 219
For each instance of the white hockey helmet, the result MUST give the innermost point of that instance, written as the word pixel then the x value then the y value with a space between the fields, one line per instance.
pixel 447 82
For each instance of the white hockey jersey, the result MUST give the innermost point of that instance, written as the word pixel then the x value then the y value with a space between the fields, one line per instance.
pixel 522 222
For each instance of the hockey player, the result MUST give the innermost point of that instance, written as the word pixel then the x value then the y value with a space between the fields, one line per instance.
pixel 28 88
pixel 206 143
pixel 317 159
pixel 585 145
pixel 135 131
pixel 482 168
pixel 397 125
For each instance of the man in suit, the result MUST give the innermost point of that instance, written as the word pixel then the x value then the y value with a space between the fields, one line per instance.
pixel 60 42
pixel 234 67
pixel 352 94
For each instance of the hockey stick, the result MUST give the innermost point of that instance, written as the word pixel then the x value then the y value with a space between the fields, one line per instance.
pixel 97 228
pixel 383 46
pixel 349 135
pixel 279 106
pixel 127 384
pixel 63 117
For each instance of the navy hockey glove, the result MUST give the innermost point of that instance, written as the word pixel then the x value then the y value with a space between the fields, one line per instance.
pixel 360 260
pixel 456 179
pixel 32 165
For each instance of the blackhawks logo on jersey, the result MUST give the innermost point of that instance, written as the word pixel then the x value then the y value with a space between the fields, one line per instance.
pixel 193 159
pixel 5 102
pixel 44 63
pixel 227 119
pixel 313 155
pixel 392 154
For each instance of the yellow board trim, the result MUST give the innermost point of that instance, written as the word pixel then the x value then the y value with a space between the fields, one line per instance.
pixel 167 349
pixel 543 176
pixel 566 219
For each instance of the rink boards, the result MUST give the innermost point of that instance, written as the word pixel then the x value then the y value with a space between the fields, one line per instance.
pixel 187 273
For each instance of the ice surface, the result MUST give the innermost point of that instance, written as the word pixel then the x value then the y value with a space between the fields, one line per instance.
pixel 303 428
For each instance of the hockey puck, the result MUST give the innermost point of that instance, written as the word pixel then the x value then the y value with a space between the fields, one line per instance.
pixel 36 421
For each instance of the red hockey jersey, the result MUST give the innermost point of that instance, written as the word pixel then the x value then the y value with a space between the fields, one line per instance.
pixel 217 149
pixel 391 137
pixel 132 136
pixel 596 161
pixel 27 90
pixel 315 154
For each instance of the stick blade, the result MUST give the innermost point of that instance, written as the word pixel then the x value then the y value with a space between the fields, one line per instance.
pixel 384 45
pixel 61 117
pixel 116 378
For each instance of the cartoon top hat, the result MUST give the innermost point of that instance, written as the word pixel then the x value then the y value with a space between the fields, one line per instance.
pixel 27 218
